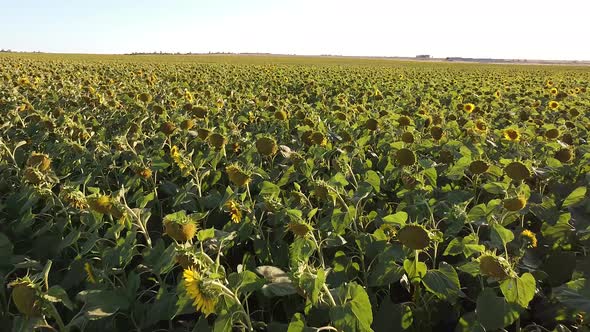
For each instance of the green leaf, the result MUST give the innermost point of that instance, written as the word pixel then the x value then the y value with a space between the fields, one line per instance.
pixel 575 294
pixel 415 270
pixel 500 236
pixel 519 290
pixel 392 316
pixel 297 323
pixel 58 294
pixel 269 189
pixel 102 303
pixel 575 197
pixel 443 282
pixel 496 188
pixel 373 179
pixel 494 312
pixel 398 218
pixel 205 234
pixel 430 174
pixel 354 313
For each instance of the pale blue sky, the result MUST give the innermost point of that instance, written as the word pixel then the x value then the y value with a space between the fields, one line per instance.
pixel 540 29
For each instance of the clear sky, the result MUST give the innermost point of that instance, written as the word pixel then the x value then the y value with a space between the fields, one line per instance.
pixel 541 29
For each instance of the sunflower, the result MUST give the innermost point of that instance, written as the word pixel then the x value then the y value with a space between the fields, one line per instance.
pixel 553 104
pixel 481 126
pixel 234 211
pixel 494 266
pixel 237 175
pixel 564 155
pixel 529 238
pixel 552 133
pixel 372 124
pixel 299 229
pixel 179 226
pixel 515 203
pixel 266 146
pixel 408 137
pixel 478 167
pixel 405 157
pixel 204 296
pixel 553 91
pixel 26 297
pixel 415 237
pixel 512 134
pixel 517 171
pixel 436 132
pixel 468 108
pixel 498 94
pixel 404 121
pixel 89 273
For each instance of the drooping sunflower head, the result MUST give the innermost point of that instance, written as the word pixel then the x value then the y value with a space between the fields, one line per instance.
pixel 200 111
pixel 404 121
pixel 187 124
pixel 144 97
pixel 318 138
pixel 299 228
pixel 564 155
pixel 205 295
pixel 552 133
pixel 167 128
pixel 408 137
pixel 281 115
pixel 26 297
pixel 494 266
pixel 237 175
pixel 203 133
pixel 372 124
pixel 517 171
pixel 405 157
pixel 235 212
pixel 266 146
pixel 478 167
pixel 73 197
pixel 512 134
pixel 101 204
pixel 217 140
pixel 515 203
pixel 436 132
pixel 322 190
pixel 40 161
pixel 468 108
pixel 528 238
pixel 144 172
pixel 415 237
pixel 179 226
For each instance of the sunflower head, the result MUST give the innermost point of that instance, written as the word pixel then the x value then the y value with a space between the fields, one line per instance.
pixel 203 133
pixel 200 111
pixel 73 197
pixel 529 238
pixel 167 128
pixel 145 172
pixel 144 97
pixel 204 295
pixel 436 132
pixel 405 157
pixel 159 109
pixel 553 91
pixel 372 124
pixel 299 229
pixel 446 157
pixel 281 115
pixel 26 297
pixel 101 204
pixel 408 137
pixel 415 237
pixel 553 105
pixel 512 134
pixel 234 210
pixel 179 226
pixel 515 203
pixel 266 146
pixel 552 133
pixel 468 108
pixel 237 175
pixel 217 140
pixel 40 161
pixel 187 124
pixel 322 190
pixel 481 126
pixel 564 155
pixel 404 121
pixel 318 138
pixel 494 266
pixel 517 171
pixel 340 116
pixel 478 167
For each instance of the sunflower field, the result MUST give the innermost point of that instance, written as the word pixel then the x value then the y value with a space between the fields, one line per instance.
pixel 292 194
